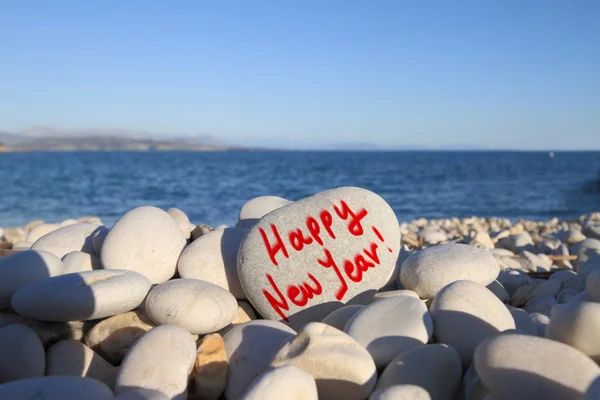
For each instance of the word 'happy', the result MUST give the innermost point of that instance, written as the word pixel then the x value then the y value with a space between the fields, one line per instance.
pixel 353 268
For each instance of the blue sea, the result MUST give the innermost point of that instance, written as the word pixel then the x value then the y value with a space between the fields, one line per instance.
pixel 211 187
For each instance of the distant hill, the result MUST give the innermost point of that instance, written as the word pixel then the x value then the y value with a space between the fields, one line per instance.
pixel 51 139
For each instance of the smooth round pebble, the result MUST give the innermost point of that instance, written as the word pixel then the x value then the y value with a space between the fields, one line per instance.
pixel 428 271
pixel 40 231
pixel 213 258
pixel 22 245
pixel 73 358
pixel 98 239
pixel 160 360
pixel 142 394
pixel 198 306
pixel 562 275
pixel 82 296
pixel 67 239
pixel 541 304
pixel 516 366
pixel 251 347
pixel 593 285
pixel 465 313
pixel 576 324
pixel 523 321
pixel 258 207
pixel 78 261
pixel 24 268
pixel 209 375
pixel 56 388
pixel 342 368
pixel 585 272
pixel 296 383
pixel 340 317
pixel 390 326
pixel 21 354
pixel 498 290
pixel 394 293
pixel 541 322
pixel 401 392
pixel 565 296
pixel 437 368
pixel 182 221
pixel 581 296
pixel 146 240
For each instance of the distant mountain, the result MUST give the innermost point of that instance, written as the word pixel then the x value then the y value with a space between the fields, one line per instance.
pixel 51 139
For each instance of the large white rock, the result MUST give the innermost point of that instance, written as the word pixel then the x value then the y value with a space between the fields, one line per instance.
pixel 340 317
pixel 306 259
pixel 56 388
pixel 516 366
pixel 78 261
pixel 576 324
pixel 113 337
pixel 251 347
pixel 501 293
pixel 342 368
pixel 198 306
pixel 523 321
pixel 160 360
pixel 73 358
pixel 146 240
pixel 21 354
pixel 428 271
pixel 213 258
pixel 67 239
pixel 40 231
pixel 82 296
pixel 388 327
pixel 436 368
pixel 296 383
pixel 464 314
pixel 182 220
pixel 23 268
pixel 258 207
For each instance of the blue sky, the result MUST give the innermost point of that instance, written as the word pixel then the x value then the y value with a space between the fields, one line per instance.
pixel 504 74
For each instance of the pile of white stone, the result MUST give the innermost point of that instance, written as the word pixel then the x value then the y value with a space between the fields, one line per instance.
pixel 323 298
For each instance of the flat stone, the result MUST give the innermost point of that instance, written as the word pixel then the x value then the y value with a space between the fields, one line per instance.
pixel 593 285
pixel 306 259
pixel 499 291
pixel 401 392
pixel 182 221
pixel 576 324
pixel 67 239
pixel 113 337
pixel 198 306
pixel 436 368
pixel 541 322
pixel 251 347
pixel 24 268
pixel 78 261
pixel 523 321
pixel 213 258
pixel 295 382
pixel 56 388
pixel 209 375
pixel 81 296
pixel 73 358
pixel 464 314
pixel 253 210
pixel 340 317
pixel 540 304
pixel 341 367
pixel 160 360
pixel 21 354
pixel 428 271
pixel 407 325
pixel 146 240
pixel 526 367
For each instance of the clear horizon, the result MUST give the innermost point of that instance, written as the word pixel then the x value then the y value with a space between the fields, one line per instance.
pixel 510 75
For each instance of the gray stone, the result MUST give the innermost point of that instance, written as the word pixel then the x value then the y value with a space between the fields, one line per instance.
pixel 541 304
pixel 340 317
pixel 525 367
pixel 56 388
pixel 146 240
pixel 501 293
pixel 213 258
pixel 513 279
pixel 253 210
pixel 82 296
pixel 98 238
pixel 593 285
pixel 388 327
pixel 523 321
pixel 541 322
pixel 251 347
pixel 67 239
pixel 566 295
pixel 198 306
pixel 21 354
pixel 142 394
pixel 400 392
pixel 23 268
pixel 428 271
pixel 349 255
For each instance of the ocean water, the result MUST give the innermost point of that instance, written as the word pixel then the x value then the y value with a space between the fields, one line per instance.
pixel 212 187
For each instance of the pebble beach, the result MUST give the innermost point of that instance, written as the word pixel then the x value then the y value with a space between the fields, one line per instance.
pixel 328 297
